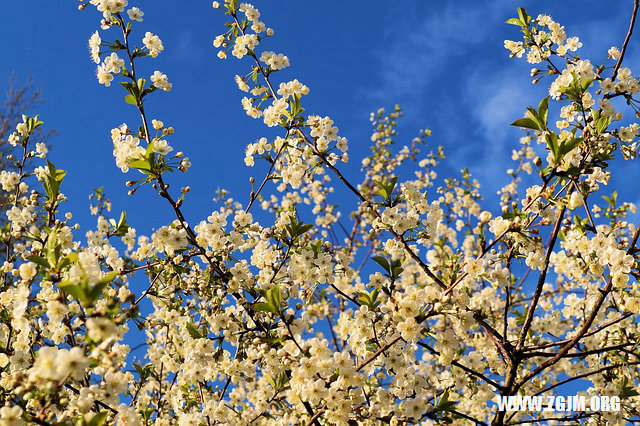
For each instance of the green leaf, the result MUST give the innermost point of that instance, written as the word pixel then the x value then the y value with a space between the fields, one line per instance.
pixel 296 229
pixel 397 271
pixel 522 13
pixel 611 200
pixel 141 165
pixel 122 227
pixel 68 260
pixel 627 391
pixel 296 107
pixel 392 182
pixel 552 143
pixel 271 381
pixel 53 179
pixel 569 145
pixel 73 289
pixel 305 227
pixel 386 188
pixel 273 297
pixel 193 331
pixel 263 307
pixel 94 292
pixel 53 248
pixel 526 123
pixel 370 299
pixel 382 262
pixel 586 83
pixel 130 87
pixel 316 246
pixel 543 111
pixel 281 382
pixel 513 21
pixel 39 260
pixel 108 278
pixel 148 90
pixel 535 119
pixel 444 404
pixel 143 371
pixel 130 99
pixel 148 153
pixel 601 124
pixel 99 419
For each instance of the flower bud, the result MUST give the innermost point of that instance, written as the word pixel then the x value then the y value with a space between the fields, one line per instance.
pixel 485 216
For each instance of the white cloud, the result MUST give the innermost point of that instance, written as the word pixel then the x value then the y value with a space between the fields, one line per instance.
pixel 421 47
pixel 495 99
pixel 428 46
pixel 426 50
pixel 186 48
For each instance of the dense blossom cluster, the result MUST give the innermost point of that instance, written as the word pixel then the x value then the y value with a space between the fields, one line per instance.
pixel 419 306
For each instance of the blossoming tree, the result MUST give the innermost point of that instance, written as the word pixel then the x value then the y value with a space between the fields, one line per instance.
pixel 275 321
pixel 21 97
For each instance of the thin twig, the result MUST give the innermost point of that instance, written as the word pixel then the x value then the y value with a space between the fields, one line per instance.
pixel 626 40
pixel 541 279
pixel 582 376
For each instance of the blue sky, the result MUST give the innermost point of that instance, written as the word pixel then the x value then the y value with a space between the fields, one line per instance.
pixel 443 61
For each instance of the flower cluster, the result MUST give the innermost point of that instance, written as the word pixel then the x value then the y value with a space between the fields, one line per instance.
pixel 416 306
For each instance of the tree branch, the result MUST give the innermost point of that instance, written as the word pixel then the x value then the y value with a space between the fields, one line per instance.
pixel 626 40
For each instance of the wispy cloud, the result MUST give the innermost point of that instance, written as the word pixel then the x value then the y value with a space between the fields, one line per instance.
pixel 494 98
pixel 422 44
pixel 426 66
pixel 439 61
pixel 186 48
